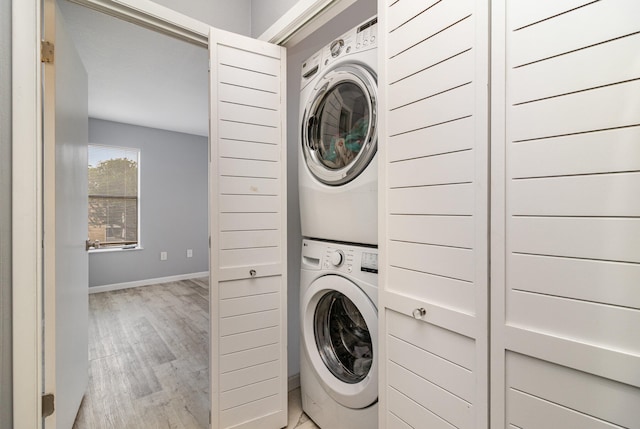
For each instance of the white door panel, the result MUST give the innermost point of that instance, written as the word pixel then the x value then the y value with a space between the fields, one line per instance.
pixel 539 40
pixel 433 212
pixel 433 50
pixel 427 21
pixel 565 216
pixel 248 233
pixel 66 265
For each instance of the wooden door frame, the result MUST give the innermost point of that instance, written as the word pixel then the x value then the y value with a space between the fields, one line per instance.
pixel 28 159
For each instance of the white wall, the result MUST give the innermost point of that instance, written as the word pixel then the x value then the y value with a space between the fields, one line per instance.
pixel 264 13
pixel 230 15
pixel 352 16
pixel 173 205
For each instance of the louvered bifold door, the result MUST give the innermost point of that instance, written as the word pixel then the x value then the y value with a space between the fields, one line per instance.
pixel 566 214
pixel 434 222
pixel 248 233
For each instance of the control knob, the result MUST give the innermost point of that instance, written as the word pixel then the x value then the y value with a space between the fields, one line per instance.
pixel 337 258
pixel 336 47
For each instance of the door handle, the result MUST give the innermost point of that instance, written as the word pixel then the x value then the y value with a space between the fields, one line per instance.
pixel 419 313
pixel 88 244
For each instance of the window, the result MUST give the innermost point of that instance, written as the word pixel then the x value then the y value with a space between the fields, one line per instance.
pixel 113 196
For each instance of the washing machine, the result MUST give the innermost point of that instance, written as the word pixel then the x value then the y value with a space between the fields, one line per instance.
pixel 337 166
pixel 339 334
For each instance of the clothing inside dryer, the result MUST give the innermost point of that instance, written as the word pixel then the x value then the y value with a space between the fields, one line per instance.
pixel 343 124
pixel 343 338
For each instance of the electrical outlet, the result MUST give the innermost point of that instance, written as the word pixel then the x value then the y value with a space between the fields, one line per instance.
pixel 189 253
pixel 163 256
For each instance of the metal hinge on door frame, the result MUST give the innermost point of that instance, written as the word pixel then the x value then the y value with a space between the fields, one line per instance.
pixel 48 404
pixel 47 52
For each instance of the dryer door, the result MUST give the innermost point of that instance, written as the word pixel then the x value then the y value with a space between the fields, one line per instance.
pixel 339 333
pixel 339 132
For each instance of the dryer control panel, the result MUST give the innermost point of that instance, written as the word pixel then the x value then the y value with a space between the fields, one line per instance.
pixel 359 39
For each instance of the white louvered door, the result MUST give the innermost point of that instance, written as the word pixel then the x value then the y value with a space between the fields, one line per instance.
pixel 248 233
pixel 434 213
pixel 566 214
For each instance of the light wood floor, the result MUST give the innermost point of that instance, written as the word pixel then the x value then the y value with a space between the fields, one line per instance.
pixel 149 357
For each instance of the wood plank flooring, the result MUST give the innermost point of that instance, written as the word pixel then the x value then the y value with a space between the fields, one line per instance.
pixel 149 357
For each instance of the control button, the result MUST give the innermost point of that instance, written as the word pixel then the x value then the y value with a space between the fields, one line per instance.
pixel 358 45
pixel 373 39
pixel 349 268
pixel 348 49
pixel 326 61
pixel 366 42
pixel 337 258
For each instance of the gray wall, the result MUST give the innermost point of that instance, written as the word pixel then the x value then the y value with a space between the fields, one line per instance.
pixel 354 15
pixel 230 15
pixel 5 215
pixel 173 205
pixel 264 13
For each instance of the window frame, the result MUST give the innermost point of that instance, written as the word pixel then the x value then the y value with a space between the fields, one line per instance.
pixel 123 247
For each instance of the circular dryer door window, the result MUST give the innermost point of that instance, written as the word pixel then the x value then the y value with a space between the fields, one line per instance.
pixel 340 337
pixel 339 125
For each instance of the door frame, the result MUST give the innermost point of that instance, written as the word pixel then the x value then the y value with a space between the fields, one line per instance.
pixel 27 162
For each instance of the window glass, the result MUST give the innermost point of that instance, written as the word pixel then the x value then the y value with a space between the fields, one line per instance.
pixel 343 119
pixel 113 196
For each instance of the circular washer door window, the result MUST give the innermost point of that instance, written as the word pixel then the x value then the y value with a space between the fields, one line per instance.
pixel 340 337
pixel 339 132
pixel 343 338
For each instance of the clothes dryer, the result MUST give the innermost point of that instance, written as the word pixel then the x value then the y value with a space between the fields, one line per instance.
pixel 339 335
pixel 337 166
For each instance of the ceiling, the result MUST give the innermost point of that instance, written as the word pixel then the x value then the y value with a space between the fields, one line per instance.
pixel 137 76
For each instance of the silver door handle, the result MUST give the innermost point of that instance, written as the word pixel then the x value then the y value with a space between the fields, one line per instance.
pixel 419 313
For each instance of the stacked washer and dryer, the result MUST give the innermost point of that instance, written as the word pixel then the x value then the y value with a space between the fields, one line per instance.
pixel 337 174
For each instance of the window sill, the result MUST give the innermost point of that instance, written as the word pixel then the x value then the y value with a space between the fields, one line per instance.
pixel 115 249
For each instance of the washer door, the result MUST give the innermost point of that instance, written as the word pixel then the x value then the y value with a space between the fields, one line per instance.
pixel 339 332
pixel 339 125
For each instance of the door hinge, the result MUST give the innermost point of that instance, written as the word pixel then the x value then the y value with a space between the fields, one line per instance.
pixel 48 405
pixel 47 51
pixel 209 242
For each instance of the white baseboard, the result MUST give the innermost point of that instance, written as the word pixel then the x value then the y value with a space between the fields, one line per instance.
pixel 147 282
pixel 294 382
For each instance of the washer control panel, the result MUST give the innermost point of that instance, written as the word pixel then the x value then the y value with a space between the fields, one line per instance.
pixel 341 259
pixel 345 258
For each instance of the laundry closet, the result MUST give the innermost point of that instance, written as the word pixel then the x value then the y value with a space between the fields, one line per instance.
pixel 507 251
